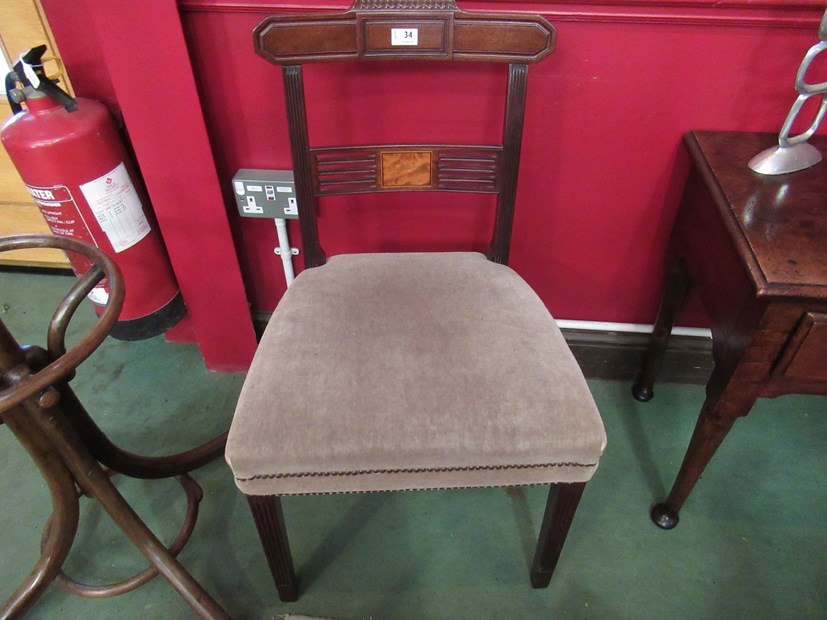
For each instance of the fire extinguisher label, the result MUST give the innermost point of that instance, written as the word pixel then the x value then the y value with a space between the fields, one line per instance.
pixel 61 213
pixel 117 207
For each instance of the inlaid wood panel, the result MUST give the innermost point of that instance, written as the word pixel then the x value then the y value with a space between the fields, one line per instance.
pixel 454 168
pixel 406 169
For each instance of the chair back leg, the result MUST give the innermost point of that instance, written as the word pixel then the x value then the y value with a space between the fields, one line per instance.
pixel 560 508
pixel 269 521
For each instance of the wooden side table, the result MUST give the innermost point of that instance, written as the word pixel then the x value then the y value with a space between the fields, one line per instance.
pixel 756 249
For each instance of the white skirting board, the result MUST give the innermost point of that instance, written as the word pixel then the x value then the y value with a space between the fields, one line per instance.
pixel 631 328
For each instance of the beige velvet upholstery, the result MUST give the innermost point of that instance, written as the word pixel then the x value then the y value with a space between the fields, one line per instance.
pixel 411 371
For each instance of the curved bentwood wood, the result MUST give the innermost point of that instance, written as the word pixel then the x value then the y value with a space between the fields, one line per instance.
pixel 71 451
pixel 400 375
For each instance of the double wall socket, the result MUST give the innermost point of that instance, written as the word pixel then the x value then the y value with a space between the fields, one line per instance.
pixel 265 193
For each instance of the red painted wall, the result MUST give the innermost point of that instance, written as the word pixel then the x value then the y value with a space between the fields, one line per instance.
pixel 602 164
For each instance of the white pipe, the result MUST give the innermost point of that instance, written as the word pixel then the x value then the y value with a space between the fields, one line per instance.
pixel 637 328
pixel 284 250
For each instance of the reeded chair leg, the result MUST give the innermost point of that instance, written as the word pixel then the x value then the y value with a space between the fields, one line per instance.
pixel 269 520
pixel 560 508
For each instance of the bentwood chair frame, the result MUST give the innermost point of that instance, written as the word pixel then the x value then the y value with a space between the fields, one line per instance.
pixel 74 455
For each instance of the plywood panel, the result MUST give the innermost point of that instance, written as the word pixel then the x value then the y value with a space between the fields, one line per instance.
pixel 11 186
pixel 22 27
pixel 19 219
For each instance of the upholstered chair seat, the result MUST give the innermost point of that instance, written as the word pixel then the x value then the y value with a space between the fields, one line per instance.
pixel 383 372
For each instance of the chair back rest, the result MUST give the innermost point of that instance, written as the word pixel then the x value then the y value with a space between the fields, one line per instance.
pixel 397 30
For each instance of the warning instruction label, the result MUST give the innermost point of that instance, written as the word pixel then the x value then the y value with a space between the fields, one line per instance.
pixel 61 213
pixel 117 207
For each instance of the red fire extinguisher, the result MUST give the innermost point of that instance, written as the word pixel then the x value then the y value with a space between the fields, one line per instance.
pixel 73 163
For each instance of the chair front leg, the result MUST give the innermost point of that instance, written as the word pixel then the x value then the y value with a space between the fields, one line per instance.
pixel 269 520
pixel 560 508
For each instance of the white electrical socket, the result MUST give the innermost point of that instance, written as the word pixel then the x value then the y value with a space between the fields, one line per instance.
pixel 292 207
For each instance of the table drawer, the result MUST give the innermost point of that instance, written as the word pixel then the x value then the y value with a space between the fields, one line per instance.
pixel 805 356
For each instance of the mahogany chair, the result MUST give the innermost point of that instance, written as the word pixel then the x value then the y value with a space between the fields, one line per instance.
pixel 400 371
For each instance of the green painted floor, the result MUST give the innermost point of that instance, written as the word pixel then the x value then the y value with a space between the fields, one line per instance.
pixel 751 543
